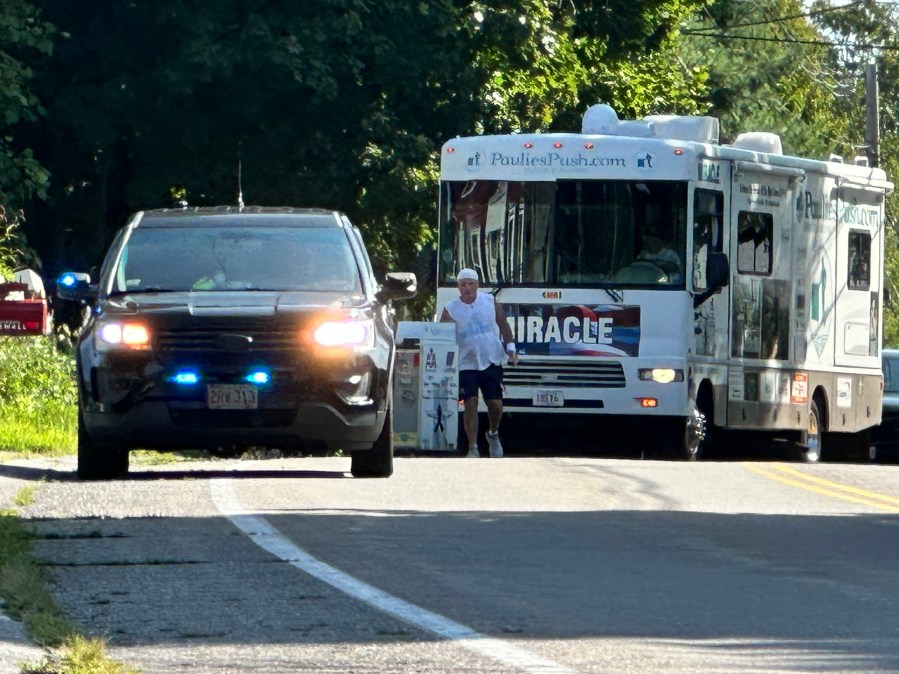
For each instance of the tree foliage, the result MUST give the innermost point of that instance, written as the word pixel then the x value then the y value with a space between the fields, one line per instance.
pixel 769 70
pixel 868 33
pixel 22 34
pixel 344 103
pixel 333 103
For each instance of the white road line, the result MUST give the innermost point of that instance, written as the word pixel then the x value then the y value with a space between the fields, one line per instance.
pixel 269 538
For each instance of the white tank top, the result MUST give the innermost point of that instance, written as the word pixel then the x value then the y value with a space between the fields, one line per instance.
pixel 477 333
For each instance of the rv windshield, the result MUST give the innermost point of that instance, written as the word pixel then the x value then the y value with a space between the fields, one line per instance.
pixel 608 233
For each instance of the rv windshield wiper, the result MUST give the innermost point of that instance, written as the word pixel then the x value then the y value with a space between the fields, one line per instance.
pixel 614 294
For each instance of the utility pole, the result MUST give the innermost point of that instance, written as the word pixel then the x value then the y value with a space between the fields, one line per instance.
pixel 872 115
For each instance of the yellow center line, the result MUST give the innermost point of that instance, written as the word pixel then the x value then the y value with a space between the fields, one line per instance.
pixel 795 478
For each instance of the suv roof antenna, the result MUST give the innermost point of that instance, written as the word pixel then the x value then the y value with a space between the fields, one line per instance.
pixel 239 182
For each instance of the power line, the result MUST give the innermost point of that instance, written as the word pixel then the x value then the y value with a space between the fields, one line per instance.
pixel 805 15
pixel 720 35
pixel 821 43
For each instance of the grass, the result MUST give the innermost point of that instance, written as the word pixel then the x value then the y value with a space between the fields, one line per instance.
pixel 22 582
pixel 47 430
pixel 80 656
pixel 37 396
pixel 25 597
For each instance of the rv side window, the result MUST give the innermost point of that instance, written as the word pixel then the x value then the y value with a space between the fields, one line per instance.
pixel 859 274
pixel 756 232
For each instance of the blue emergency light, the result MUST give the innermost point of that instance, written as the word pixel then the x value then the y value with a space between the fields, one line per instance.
pixel 258 377
pixel 185 377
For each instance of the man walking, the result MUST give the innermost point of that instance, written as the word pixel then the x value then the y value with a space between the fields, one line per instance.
pixel 481 332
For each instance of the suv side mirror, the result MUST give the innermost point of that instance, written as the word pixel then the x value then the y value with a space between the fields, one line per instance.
pixel 75 287
pixel 398 286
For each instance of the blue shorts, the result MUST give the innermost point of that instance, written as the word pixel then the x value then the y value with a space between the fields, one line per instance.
pixel 489 381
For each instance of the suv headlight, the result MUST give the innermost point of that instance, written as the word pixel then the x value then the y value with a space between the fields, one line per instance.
pixel 354 333
pixel 124 335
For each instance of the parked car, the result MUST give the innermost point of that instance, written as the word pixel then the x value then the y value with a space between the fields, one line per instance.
pixel 885 437
pixel 230 327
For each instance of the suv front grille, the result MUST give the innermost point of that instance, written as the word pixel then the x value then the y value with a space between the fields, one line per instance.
pixel 556 374
pixel 208 337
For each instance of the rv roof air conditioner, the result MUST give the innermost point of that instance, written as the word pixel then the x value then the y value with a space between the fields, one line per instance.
pixel 759 141
pixel 602 119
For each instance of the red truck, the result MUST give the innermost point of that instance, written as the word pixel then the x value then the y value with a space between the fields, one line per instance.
pixel 23 310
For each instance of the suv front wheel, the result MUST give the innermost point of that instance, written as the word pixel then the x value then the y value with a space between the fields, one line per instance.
pixel 99 462
pixel 377 461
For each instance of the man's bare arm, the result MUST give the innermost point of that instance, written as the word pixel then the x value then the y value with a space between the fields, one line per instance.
pixel 504 330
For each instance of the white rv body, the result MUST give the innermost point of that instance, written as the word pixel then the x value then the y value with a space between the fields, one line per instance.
pixel 785 337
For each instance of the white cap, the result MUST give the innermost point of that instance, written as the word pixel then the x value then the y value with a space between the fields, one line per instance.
pixel 467 274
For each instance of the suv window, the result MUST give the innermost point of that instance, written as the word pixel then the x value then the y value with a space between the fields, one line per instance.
pixel 891 373
pixel 195 257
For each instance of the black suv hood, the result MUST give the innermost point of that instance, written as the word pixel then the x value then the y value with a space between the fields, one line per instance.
pixel 232 303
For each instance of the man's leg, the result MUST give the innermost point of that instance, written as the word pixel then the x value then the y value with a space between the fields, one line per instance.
pixel 492 388
pixel 468 392
pixel 470 422
pixel 494 413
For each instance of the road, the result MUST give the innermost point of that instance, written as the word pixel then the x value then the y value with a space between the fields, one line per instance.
pixel 525 564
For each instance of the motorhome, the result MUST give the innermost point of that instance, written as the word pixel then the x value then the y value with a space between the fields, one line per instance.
pixel 650 272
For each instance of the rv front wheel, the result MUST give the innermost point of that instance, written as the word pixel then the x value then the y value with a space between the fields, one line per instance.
pixel 694 435
pixel 810 440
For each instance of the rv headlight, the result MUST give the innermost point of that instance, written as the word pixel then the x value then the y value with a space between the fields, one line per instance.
pixel 661 375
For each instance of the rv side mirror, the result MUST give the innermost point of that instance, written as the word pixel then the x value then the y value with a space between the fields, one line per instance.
pixel 717 276
pixel 75 287
pixel 717 270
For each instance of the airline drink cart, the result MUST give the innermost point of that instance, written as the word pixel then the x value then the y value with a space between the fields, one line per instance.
pixel 426 387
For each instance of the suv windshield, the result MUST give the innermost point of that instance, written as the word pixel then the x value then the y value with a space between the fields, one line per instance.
pixel 253 257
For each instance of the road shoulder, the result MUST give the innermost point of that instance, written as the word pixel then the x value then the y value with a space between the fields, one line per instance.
pixel 16 649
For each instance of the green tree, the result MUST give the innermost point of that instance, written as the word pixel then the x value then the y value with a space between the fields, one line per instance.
pixel 868 32
pixel 335 103
pixel 799 70
pixel 770 69
pixel 22 34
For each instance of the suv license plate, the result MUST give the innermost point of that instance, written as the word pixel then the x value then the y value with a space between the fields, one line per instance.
pixel 232 397
pixel 549 399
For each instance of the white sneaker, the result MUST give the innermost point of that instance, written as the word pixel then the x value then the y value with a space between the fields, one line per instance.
pixel 473 452
pixel 496 448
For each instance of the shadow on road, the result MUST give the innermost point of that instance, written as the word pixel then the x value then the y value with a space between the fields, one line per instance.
pixel 39 473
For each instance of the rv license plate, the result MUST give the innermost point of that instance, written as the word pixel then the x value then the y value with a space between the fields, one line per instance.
pixel 548 398
pixel 232 397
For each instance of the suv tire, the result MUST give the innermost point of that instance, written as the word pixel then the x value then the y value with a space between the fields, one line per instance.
pixel 377 461
pixel 99 462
